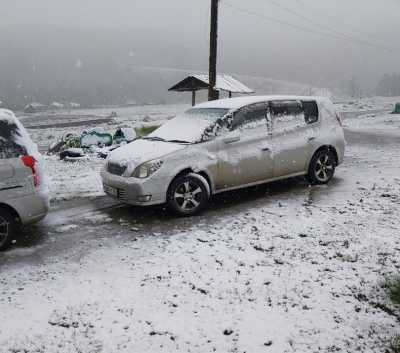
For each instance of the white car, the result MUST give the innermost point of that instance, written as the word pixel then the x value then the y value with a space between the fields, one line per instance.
pixel 226 145
pixel 23 199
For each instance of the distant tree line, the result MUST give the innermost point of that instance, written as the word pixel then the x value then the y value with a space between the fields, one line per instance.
pixel 389 85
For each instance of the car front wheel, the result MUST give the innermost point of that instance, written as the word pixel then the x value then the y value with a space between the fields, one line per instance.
pixel 322 167
pixel 188 195
pixel 8 228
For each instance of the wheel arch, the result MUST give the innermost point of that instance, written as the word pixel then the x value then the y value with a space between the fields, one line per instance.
pixel 324 148
pixel 186 171
pixel 11 210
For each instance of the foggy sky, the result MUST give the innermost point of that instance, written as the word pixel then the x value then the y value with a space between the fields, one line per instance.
pixel 174 33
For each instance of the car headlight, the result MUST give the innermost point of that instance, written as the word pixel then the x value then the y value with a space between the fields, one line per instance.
pixel 146 169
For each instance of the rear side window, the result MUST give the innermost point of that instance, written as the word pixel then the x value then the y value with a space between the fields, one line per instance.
pixel 251 117
pixel 290 115
pixel 311 111
pixel 287 115
pixel 284 108
pixel 9 148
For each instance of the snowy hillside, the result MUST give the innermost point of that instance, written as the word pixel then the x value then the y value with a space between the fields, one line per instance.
pixel 154 84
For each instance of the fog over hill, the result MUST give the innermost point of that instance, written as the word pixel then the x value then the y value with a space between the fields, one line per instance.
pixel 104 67
pixel 98 54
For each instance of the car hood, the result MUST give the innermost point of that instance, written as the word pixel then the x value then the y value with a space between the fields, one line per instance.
pixel 141 151
pixel 182 128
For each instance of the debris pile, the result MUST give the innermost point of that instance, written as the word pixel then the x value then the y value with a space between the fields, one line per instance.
pixel 94 141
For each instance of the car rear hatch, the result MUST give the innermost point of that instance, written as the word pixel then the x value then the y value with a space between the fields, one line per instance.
pixel 19 159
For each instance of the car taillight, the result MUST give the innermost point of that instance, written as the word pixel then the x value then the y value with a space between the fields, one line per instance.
pixel 338 119
pixel 30 162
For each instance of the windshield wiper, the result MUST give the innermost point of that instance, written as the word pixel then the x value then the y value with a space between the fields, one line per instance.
pixel 179 141
pixel 154 138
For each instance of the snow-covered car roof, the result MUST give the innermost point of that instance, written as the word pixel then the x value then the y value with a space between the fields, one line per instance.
pixel 240 102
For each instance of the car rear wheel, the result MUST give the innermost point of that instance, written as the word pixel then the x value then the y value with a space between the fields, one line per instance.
pixel 8 229
pixel 188 195
pixel 322 167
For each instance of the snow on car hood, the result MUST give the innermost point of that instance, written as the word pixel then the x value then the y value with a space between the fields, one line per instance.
pixel 182 128
pixel 141 151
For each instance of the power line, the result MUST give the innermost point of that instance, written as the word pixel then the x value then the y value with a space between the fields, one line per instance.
pixel 338 18
pixel 302 28
pixel 325 27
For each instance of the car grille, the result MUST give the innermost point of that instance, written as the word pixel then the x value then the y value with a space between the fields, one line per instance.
pixel 115 192
pixel 121 194
pixel 116 169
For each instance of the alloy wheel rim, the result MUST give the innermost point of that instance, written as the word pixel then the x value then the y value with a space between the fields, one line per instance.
pixel 324 168
pixel 4 230
pixel 188 196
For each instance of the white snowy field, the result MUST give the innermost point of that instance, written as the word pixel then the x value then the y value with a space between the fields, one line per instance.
pixel 384 123
pixel 368 103
pixel 295 269
pixel 125 115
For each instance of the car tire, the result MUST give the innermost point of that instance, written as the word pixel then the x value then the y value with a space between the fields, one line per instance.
pixel 188 195
pixel 8 228
pixel 322 167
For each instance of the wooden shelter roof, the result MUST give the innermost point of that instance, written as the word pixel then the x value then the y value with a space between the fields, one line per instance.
pixel 198 82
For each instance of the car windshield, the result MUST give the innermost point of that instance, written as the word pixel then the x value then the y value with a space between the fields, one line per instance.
pixel 188 127
pixel 210 114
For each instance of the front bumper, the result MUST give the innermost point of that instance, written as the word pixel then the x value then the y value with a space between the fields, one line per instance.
pixel 133 191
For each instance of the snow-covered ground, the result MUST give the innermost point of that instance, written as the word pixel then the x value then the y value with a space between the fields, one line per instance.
pixel 387 123
pixel 370 103
pixel 295 270
pixel 70 180
pixel 290 268
pixel 125 115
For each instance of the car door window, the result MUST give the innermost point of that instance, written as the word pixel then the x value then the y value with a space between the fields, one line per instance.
pixel 8 147
pixel 287 116
pixel 311 111
pixel 251 118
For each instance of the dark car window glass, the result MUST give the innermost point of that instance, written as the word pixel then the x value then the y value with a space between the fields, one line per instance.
pixel 250 117
pixel 279 108
pixel 311 111
pixel 9 148
pixel 287 115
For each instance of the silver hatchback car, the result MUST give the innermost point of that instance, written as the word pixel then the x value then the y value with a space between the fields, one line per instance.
pixel 23 199
pixel 225 145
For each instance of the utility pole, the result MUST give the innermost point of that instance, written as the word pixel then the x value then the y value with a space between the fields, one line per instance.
pixel 212 93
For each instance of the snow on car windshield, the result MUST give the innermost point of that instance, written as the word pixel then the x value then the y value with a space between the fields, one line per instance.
pixel 210 114
pixel 190 126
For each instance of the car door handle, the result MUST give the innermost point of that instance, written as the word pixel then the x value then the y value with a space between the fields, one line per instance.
pixel 265 149
pixel 311 138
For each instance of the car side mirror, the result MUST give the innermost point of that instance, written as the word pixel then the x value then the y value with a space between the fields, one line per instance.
pixel 231 137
